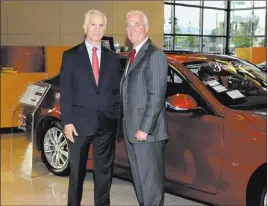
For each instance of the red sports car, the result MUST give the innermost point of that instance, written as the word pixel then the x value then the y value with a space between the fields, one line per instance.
pixel 216 112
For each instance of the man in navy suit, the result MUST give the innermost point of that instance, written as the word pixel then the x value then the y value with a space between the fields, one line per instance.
pixel 90 86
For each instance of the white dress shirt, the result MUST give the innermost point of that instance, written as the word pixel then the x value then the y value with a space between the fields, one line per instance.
pixel 89 50
pixel 138 47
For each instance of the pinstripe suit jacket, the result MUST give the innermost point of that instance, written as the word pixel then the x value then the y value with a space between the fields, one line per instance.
pixel 143 89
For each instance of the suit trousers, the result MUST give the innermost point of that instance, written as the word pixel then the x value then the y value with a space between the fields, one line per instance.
pixel 148 171
pixel 103 158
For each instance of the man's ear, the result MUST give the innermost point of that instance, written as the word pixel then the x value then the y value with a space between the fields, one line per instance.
pixel 146 29
pixel 85 27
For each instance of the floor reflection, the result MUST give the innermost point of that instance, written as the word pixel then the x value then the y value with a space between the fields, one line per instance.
pixel 49 189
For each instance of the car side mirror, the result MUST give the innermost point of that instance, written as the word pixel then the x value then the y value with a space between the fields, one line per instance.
pixel 181 102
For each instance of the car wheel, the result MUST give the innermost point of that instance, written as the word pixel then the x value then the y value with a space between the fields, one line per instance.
pixel 258 197
pixel 55 149
pixel 264 197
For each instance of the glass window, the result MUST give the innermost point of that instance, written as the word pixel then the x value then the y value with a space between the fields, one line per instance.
pixel 188 43
pixel 214 22
pixel 168 20
pixel 235 83
pixel 214 44
pixel 175 83
pixel 197 3
pixel 178 84
pixel 241 23
pixel 187 24
pixel 168 42
pixel 258 42
pixel 247 25
pixel 239 42
pixel 258 22
pixel 259 3
pixel 241 4
pixel 216 4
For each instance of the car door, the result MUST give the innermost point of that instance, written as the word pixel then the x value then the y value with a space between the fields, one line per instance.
pixel 193 154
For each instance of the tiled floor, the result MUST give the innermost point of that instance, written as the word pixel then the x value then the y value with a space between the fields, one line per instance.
pixel 52 190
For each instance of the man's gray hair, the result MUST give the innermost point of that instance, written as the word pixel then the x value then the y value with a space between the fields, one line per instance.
pixel 145 19
pixel 94 12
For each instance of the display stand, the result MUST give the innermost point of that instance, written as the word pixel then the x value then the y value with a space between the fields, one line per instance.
pixel 25 158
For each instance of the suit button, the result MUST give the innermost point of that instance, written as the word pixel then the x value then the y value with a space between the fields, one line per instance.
pixel 97 93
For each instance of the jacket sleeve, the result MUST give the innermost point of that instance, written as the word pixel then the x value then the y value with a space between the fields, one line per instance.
pixel 66 89
pixel 156 79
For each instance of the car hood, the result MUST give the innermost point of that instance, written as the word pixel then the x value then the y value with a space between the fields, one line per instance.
pixel 257 118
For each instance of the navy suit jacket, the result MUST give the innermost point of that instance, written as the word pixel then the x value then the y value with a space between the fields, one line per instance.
pixel 89 107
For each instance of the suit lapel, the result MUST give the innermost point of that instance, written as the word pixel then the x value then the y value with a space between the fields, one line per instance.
pixel 103 64
pixel 137 59
pixel 124 73
pixel 139 56
pixel 86 64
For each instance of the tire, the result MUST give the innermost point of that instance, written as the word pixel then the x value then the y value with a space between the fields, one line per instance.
pixel 263 199
pixel 55 149
pixel 258 197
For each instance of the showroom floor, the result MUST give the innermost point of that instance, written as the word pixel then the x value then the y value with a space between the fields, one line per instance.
pixel 52 190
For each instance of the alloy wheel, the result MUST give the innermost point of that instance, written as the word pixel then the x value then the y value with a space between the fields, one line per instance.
pixel 56 148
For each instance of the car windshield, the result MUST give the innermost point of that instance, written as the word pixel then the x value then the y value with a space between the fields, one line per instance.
pixel 234 82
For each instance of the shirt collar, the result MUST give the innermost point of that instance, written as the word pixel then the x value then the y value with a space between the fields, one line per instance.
pixel 90 46
pixel 138 47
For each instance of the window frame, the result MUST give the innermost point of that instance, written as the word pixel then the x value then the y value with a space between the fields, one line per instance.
pixel 227 19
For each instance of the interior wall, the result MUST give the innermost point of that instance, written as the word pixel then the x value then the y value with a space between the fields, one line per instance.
pixel 59 23
pixel 255 55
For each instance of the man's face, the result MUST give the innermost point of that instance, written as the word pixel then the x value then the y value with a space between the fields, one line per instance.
pixel 136 30
pixel 95 28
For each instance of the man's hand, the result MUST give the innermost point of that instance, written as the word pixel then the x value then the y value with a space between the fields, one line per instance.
pixel 69 129
pixel 141 136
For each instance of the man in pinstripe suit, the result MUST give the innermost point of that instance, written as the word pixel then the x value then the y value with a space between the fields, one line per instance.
pixel 143 88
